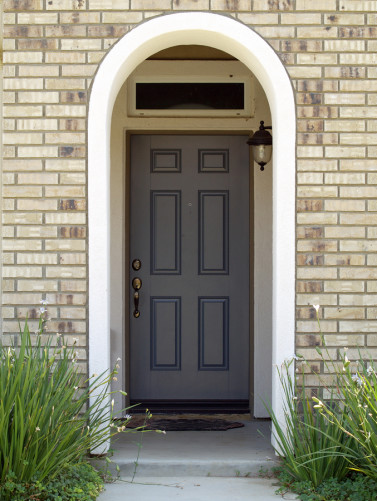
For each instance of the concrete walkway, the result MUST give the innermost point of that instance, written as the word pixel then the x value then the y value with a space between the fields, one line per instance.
pixel 195 466
pixel 194 489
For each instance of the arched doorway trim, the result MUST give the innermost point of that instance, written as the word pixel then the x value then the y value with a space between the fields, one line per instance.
pixel 229 35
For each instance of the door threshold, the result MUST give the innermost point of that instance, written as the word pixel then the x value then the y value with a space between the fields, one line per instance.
pixel 191 406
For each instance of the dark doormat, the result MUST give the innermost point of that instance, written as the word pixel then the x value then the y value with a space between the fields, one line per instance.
pixel 184 424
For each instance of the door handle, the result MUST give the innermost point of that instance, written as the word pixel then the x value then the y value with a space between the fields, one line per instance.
pixel 136 284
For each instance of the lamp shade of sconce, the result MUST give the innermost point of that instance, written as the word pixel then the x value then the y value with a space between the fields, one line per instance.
pixel 261 143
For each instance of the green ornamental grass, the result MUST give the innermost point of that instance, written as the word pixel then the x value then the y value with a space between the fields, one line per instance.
pixel 47 417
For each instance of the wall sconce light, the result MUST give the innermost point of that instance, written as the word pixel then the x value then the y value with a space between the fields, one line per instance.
pixel 261 143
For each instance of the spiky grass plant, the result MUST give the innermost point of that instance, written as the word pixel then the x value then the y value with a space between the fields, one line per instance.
pixel 312 447
pixel 48 415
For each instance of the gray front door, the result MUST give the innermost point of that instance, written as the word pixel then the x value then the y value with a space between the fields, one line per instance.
pixel 190 231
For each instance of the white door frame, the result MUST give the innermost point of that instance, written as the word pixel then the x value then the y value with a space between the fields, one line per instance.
pixel 226 34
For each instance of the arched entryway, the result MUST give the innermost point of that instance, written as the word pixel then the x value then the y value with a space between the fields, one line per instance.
pixel 226 34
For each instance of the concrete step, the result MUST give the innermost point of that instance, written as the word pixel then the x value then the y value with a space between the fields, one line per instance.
pixel 240 452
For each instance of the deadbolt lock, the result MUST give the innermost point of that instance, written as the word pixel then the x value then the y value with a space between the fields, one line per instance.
pixel 136 264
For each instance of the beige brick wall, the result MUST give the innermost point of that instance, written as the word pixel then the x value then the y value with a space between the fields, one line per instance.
pixel 52 51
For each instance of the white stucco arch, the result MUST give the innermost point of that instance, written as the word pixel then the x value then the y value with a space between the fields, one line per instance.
pixel 226 34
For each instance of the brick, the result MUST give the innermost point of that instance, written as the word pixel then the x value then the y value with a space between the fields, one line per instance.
pixel 37 124
pixel 22 218
pixel 73 178
pixel 65 272
pixel 72 232
pixel 18 298
pixel 65 4
pixel 65 111
pixel 358 192
pixel 317 191
pixel 310 178
pixel 38 71
pixel 22 165
pixel 30 259
pixel 15 31
pixel 345 125
pixel 345 340
pixel 70 258
pixel 64 83
pixel 358 165
pixel 309 205
pixel 345 151
pixel 75 70
pixel 71 204
pixel 22 138
pixel 21 245
pixel 317 246
pixel 38 204
pixel 73 285
pixel 80 44
pixel 16 5
pixel 343 98
pixel 64 137
pixel 345 205
pixel 65 245
pixel 345 232
pixel 36 232
pixel 38 151
pixel 322 299
pixel 317 218
pixel 275 31
pixel 304 72
pixel 72 124
pixel 317 165
pixel 126 17
pixel 65 57
pixel 314 5
pixel 309 151
pixel 23 83
pixel 344 260
pixel 65 218
pixel 310 259
pixel 345 72
pixel 316 273
pixel 22 57
pixel 72 151
pixel 37 18
pixel 359 5
pixel 38 97
pixel 358 245
pixel 312 326
pixel 344 178
pixel 22 271
pixel 22 191
pixel 359 273
pixel 107 30
pixel 317 32
pixel 283 5
pixel 37 285
pixel 357 326
pixel 73 313
pixel 367 139
pixel 345 286
pixel 65 191
pixel 66 299
pixel 300 19
pixel 65 165
pixel 372 260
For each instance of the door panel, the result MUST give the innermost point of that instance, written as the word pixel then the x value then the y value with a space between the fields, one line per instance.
pixel 190 229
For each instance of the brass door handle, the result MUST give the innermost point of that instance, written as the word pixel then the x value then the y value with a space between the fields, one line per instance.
pixel 136 284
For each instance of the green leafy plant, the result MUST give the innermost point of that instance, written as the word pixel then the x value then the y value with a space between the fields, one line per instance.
pixel 50 414
pixel 355 487
pixel 312 447
pixel 77 482
pixel 356 385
